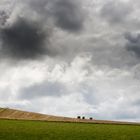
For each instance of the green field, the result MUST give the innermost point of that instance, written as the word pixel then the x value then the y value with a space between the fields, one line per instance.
pixel 36 130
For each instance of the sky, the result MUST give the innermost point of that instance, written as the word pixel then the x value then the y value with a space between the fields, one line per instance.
pixel 70 58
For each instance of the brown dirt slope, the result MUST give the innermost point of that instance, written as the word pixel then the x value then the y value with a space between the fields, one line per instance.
pixel 6 113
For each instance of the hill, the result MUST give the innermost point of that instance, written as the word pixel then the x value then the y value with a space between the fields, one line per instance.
pixel 6 113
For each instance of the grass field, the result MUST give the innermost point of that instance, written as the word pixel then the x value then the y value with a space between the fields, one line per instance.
pixel 37 130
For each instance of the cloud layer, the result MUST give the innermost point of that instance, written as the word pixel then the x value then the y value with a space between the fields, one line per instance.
pixel 71 57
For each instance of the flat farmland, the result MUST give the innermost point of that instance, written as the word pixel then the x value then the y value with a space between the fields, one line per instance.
pixel 41 130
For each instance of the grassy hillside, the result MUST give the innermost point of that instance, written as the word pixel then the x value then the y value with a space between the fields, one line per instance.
pixel 37 130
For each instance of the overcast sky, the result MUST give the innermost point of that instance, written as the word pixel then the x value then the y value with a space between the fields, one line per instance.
pixel 71 57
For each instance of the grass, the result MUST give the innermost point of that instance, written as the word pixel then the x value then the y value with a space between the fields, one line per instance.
pixel 37 130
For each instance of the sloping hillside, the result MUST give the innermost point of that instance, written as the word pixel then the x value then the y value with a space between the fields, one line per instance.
pixel 6 113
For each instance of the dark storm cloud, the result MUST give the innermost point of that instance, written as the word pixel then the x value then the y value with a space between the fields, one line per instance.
pixel 27 37
pixel 133 43
pixel 43 89
pixel 67 15
pixel 3 18
pixel 23 40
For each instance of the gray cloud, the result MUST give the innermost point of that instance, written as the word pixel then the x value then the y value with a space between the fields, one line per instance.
pixel 38 6
pixel 133 43
pixel 3 18
pixel 67 15
pixel 43 89
pixel 115 11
